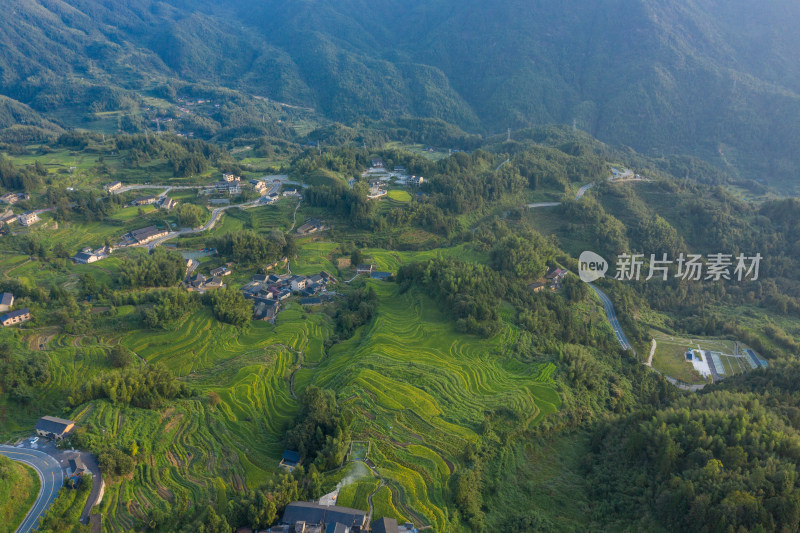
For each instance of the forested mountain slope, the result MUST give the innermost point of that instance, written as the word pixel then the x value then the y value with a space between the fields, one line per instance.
pixel 712 78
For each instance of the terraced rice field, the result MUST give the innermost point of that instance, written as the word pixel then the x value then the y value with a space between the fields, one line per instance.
pixel 418 389
pixel 422 389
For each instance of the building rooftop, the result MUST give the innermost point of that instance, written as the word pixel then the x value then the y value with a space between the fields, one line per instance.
pixel 7 299
pixel 145 233
pixel 14 314
pixel 385 525
pixel 313 513
pixel 52 424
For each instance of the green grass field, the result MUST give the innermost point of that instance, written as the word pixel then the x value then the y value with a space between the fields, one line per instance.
pixel 19 485
pixel 670 356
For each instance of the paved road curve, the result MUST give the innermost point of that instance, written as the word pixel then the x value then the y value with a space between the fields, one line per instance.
pixel 50 474
pixel 612 318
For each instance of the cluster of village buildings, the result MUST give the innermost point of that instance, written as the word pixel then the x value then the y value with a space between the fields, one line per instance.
pixel 379 178
pixel 553 279
pixel 26 219
pixel 201 283
pixel 268 291
pixel 11 198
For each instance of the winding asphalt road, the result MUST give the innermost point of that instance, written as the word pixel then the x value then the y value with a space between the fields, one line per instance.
pixel 612 318
pixel 50 474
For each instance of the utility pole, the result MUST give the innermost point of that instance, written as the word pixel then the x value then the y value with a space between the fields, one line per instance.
pixel 508 137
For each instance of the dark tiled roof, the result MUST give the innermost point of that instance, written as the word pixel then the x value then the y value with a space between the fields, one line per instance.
pixel 144 233
pixel 52 424
pixel 385 525
pixel 14 314
pixel 7 298
pixel 313 513
pixel 338 527
pixel 291 456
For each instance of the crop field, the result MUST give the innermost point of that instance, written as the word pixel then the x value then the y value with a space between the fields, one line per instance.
pixel 400 196
pixel 391 261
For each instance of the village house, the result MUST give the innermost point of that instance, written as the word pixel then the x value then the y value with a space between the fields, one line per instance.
pixel 385 525
pixel 12 197
pixel 290 459
pixel 6 301
pixel 298 283
pixel 230 187
pixel 376 274
pixel 266 310
pixel 259 186
pixel 196 281
pixel 167 203
pixel 113 186
pixel 7 218
pixel 29 218
pixel 537 286
pixel 15 317
pixel 150 233
pixel 416 181
pixel 85 257
pixel 364 269
pixel 556 277
pixel 144 200
pixel 213 283
pixel 52 427
pixel 330 517
pixel 230 178
pixel 221 271
pixel 311 226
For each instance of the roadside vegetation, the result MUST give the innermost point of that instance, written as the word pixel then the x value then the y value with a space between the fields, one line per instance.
pixel 19 486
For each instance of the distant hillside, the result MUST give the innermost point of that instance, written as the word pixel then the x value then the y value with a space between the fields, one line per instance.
pixel 712 78
pixel 20 123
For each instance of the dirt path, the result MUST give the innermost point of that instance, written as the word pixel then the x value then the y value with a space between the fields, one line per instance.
pixel 294 216
pixel 369 500
pixel 652 352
